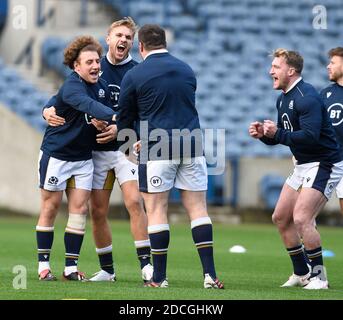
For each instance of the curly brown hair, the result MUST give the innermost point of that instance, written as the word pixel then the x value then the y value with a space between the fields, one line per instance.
pixel 78 45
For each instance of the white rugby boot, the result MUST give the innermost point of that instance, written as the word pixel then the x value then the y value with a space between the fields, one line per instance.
pixel 297 281
pixel 147 272
pixel 210 283
pixel 103 275
pixel 316 284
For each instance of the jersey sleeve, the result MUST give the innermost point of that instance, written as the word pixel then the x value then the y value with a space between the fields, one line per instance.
pixel 75 95
pixel 50 103
pixel 309 110
pixel 273 141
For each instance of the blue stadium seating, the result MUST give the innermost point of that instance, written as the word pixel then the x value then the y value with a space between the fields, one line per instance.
pixel 3 12
pixel 12 90
pixel 227 43
pixel 270 188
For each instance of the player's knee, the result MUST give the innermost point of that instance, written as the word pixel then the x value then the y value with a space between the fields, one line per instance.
pixel 98 215
pixel 301 222
pixel 277 218
pixel 99 210
pixel 49 209
pixel 78 208
pixel 134 205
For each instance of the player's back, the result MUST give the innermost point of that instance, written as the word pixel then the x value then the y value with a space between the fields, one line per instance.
pixel 166 92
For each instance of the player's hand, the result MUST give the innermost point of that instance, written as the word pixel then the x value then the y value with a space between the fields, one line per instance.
pixel 107 135
pixel 132 157
pixel 137 148
pixel 269 128
pixel 99 124
pixel 52 118
pixel 256 130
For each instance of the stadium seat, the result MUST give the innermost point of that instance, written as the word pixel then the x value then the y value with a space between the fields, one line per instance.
pixel 3 12
pixel 230 59
pixel 12 90
pixel 270 186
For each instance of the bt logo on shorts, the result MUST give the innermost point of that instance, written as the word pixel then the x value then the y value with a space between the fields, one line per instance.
pixel 155 181
pixel 53 180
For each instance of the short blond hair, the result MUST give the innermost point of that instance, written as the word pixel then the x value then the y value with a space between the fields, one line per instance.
pixel 127 22
pixel 293 58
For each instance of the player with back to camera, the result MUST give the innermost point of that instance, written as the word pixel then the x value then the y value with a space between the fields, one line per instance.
pixel 161 91
pixel 303 125
pixel 66 153
pixel 111 164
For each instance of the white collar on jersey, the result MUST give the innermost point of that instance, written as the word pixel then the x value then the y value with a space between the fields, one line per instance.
pixel 156 51
pixel 128 59
pixel 294 84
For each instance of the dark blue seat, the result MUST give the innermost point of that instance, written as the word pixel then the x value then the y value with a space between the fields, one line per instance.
pixel 270 186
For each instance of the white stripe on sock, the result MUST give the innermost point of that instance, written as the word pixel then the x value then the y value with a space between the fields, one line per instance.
pixel 200 221
pixel 142 243
pixel 39 228
pixel 159 250
pixel 104 250
pixel 72 254
pixel 204 242
pixel 158 228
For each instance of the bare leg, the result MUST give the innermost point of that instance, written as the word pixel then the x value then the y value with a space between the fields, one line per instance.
pixel 134 204
pixel 156 205
pixel 283 217
pixel 99 211
pixel 307 207
pixel 50 203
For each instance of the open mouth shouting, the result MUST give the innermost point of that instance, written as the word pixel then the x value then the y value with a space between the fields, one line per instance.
pixel 122 50
pixel 94 74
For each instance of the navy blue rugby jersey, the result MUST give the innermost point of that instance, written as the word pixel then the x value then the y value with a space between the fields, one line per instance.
pixel 161 91
pixel 333 101
pixel 113 74
pixel 76 101
pixel 304 126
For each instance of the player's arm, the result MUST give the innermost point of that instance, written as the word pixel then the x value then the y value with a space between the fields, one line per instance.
pixel 264 132
pixel 127 105
pixel 75 95
pixel 49 113
pixel 107 134
pixel 310 120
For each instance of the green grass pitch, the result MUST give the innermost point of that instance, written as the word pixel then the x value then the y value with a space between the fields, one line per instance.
pixel 254 275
